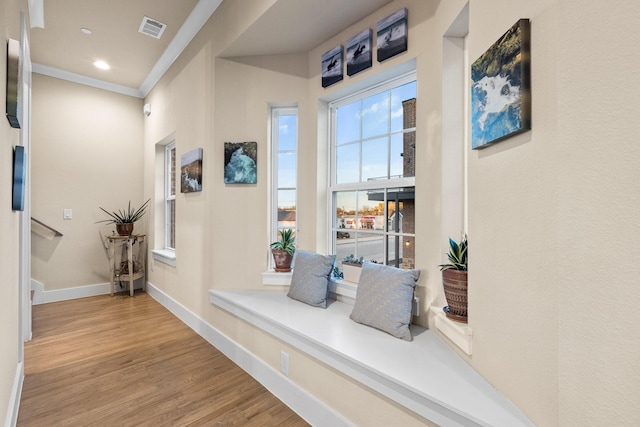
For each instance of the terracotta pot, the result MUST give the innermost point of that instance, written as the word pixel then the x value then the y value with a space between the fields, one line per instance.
pixel 455 291
pixel 282 259
pixel 124 229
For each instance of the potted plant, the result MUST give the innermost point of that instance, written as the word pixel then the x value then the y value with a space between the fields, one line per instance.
pixel 351 267
pixel 124 219
pixel 283 250
pixel 454 280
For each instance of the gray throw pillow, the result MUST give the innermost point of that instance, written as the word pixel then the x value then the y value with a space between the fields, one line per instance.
pixel 310 278
pixel 384 298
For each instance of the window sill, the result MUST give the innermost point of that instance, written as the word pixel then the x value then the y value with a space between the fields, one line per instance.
pixel 273 278
pixel 459 333
pixel 165 256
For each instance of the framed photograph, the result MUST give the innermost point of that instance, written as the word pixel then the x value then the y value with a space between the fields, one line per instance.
pixel 501 90
pixel 240 162
pixel 14 84
pixel 359 52
pixel 191 171
pixel 392 35
pixel 332 69
pixel 19 178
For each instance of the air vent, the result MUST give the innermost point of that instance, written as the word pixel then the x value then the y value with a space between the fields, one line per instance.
pixel 151 27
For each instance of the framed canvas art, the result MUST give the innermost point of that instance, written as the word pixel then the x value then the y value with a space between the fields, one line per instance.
pixel 392 35
pixel 332 69
pixel 191 171
pixel 240 162
pixel 500 91
pixel 359 52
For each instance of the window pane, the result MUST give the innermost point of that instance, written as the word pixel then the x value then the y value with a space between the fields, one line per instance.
pixel 287 200
pixel 287 132
pixel 397 160
pixel 173 172
pixel 370 246
pixel 374 159
pixel 398 116
pixel 345 210
pixel 287 170
pixel 375 115
pixel 171 226
pixel 348 163
pixel 348 123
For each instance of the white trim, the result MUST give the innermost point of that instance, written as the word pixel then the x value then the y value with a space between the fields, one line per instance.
pixel 47 70
pixel 192 25
pixel 459 333
pixel 36 13
pixel 271 278
pixel 165 256
pixel 299 400
pixel 14 399
pixel 40 296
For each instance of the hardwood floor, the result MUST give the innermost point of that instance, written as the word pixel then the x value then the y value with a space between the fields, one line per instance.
pixel 121 361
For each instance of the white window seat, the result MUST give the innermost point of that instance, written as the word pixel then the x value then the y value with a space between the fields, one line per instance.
pixel 425 375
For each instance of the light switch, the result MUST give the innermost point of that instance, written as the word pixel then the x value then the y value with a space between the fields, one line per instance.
pixel 67 214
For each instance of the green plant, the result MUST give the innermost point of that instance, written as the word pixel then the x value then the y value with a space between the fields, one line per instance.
pixel 120 216
pixel 351 259
pixel 286 242
pixel 337 273
pixel 457 255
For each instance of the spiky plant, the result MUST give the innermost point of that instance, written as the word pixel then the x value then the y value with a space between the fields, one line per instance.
pixel 457 255
pixel 286 242
pixel 120 216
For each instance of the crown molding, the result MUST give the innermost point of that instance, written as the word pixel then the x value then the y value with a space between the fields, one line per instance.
pixel 84 80
pixel 192 25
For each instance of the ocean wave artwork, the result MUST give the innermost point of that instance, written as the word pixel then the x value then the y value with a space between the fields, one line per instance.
pixel 500 93
pixel 241 160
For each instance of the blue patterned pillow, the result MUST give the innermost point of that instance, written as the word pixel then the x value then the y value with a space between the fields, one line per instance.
pixel 384 298
pixel 310 278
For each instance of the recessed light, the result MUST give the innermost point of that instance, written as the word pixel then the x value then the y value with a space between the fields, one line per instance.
pixel 102 65
pixel 86 30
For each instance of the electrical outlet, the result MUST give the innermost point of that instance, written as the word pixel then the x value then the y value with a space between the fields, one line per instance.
pixel 152 264
pixel 415 307
pixel 284 363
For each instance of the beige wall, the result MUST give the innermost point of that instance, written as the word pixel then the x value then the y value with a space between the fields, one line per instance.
pixel 86 154
pixel 9 222
pixel 551 211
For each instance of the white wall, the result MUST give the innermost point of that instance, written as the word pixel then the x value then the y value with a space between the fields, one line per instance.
pixel 9 226
pixel 87 153
pixel 596 251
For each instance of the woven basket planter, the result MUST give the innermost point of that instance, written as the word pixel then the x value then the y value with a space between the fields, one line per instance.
pixel 455 291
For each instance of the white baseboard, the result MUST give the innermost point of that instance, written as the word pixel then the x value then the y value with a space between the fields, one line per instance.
pixel 14 399
pixel 40 296
pixel 299 400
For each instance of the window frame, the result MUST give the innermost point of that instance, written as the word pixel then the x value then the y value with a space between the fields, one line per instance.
pixel 333 187
pixel 169 179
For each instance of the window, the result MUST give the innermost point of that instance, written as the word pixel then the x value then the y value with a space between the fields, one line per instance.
pixel 284 165
pixel 170 196
pixel 372 182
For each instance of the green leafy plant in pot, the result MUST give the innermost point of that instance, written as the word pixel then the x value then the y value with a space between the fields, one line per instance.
pixel 283 250
pixel 454 280
pixel 124 219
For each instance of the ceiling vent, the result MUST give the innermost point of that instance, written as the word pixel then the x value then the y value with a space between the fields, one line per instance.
pixel 151 27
